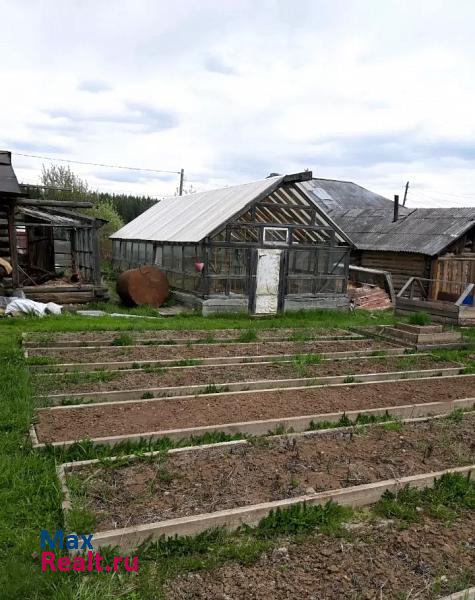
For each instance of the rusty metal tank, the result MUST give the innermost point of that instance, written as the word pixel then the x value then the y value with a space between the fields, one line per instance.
pixel 146 285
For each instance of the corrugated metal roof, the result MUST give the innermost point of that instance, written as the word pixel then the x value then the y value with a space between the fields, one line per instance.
pixel 192 217
pixel 339 196
pixel 423 230
pixel 8 180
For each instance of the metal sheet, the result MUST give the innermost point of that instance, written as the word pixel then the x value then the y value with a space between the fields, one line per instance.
pixel 422 230
pixel 192 217
pixel 48 217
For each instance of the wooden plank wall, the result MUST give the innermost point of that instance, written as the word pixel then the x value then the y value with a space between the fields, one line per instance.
pixel 455 273
pixel 4 243
pixel 401 265
pixel 6 282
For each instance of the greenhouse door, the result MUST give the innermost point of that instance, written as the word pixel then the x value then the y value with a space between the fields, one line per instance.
pixel 267 281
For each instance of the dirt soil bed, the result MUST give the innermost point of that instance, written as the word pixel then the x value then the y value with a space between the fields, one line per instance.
pixel 370 563
pixel 138 353
pixel 213 375
pixel 107 337
pixel 154 415
pixel 203 481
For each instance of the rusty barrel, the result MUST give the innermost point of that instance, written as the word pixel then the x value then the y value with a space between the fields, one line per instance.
pixel 146 285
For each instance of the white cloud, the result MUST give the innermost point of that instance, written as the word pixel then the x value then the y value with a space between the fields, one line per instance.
pixel 379 93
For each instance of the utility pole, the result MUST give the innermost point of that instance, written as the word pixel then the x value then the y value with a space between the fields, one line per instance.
pixel 182 177
pixel 405 194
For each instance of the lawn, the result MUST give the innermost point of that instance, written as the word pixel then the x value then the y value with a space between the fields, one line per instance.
pixel 30 498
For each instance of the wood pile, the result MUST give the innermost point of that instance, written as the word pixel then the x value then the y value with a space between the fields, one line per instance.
pixel 368 297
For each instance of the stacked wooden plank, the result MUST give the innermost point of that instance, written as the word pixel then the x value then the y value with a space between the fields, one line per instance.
pixel 369 297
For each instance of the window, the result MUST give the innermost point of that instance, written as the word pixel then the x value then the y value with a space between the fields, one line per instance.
pixel 276 236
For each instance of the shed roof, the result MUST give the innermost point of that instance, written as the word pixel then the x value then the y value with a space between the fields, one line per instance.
pixel 426 231
pixel 192 217
pixel 48 217
pixel 367 218
pixel 339 196
pixel 8 181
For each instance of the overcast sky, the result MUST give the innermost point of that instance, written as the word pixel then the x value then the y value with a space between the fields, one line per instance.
pixel 374 91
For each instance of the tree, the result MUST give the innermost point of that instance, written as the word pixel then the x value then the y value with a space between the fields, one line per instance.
pixel 64 184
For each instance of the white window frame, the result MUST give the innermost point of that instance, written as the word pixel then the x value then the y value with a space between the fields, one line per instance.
pixel 275 242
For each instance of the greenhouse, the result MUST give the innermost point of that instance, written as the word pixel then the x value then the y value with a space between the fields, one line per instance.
pixel 263 247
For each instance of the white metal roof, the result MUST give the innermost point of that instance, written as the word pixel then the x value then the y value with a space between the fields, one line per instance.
pixel 192 217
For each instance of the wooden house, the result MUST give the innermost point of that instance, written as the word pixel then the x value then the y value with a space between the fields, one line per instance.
pixel 435 244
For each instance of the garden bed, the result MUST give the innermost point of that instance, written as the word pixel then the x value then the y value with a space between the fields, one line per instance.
pixel 424 560
pixel 123 338
pixel 307 366
pixel 62 424
pixel 198 351
pixel 185 483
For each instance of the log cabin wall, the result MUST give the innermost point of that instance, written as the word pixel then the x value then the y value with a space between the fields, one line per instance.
pixel 401 265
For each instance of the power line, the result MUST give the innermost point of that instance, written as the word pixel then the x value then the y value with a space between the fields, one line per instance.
pixel 435 193
pixel 81 162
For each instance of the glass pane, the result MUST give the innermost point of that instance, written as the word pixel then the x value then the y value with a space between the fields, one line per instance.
pixel 275 235
pixel 167 256
pixel 238 286
pixel 217 286
pixel 189 258
pixel 302 261
pixel 239 261
pixel 149 253
pixel 220 236
pixel 219 260
pixel 175 279
pixel 310 236
pixel 300 286
pixel 158 255
pixel 244 234
pixel 192 283
pixel 176 257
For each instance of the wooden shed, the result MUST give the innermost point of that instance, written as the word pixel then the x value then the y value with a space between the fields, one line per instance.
pixel 262 247
pixel 428 243
pixel 47 250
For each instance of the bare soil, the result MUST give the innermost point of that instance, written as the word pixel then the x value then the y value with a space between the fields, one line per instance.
pixel 154 415
pixel 203 481
pixel 216 375
pixel 376 561
pixel 173 334
pixel 197 351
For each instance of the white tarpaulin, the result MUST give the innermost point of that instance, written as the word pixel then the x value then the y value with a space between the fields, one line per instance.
pixel 30 307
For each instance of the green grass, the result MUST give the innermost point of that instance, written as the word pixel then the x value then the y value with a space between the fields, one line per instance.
pixel 46 382
pixel 360 420
pixel 450 494
pixel 187 362
pixel 419 318
pixel 41 360
pixel 301 362
pixel 123 339
pixel 249 335
pixel 465 357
